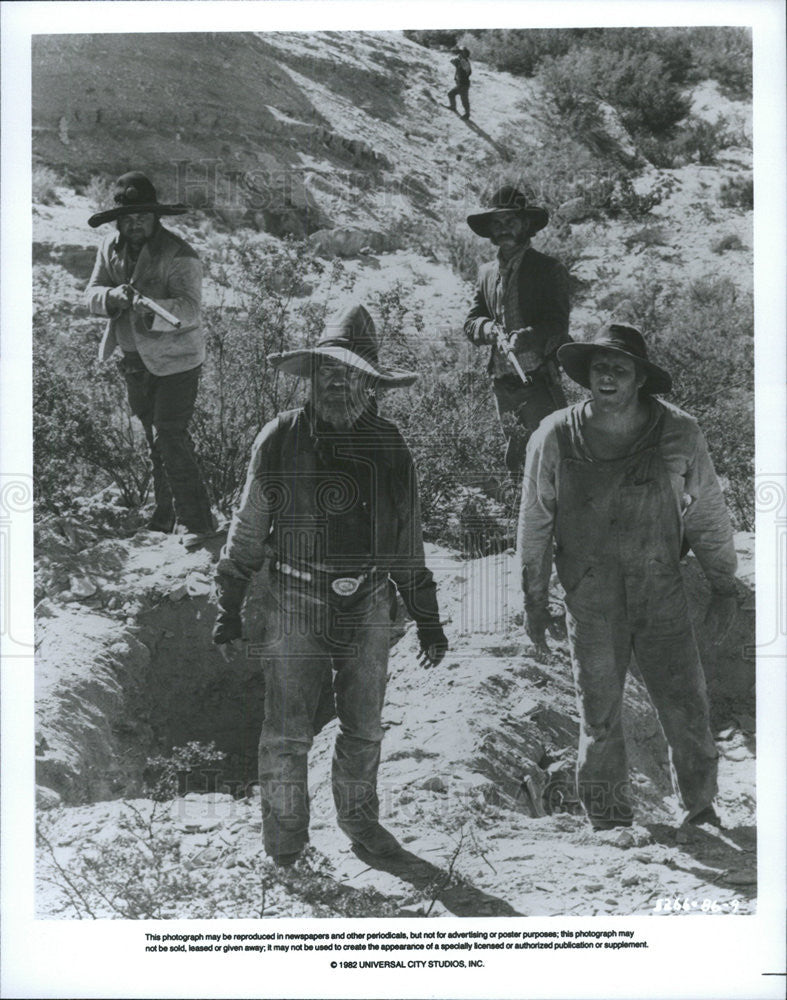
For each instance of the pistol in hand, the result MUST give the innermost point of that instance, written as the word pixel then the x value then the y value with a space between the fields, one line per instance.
pixel 140 301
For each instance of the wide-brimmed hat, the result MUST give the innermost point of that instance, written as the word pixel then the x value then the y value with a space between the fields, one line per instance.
pixel 349 338
pixel 507 199
pixel 625 340
pixel 134 192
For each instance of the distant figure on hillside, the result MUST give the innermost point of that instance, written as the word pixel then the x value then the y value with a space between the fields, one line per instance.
pixel 520 308
pixel 619 486
pixel 148 281
pixel 331 509
pixel 462 71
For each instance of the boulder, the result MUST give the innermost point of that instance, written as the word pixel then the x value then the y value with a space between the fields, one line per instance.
pixel 347 241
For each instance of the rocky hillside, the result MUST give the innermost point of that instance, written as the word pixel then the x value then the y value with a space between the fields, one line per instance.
pixel 298 133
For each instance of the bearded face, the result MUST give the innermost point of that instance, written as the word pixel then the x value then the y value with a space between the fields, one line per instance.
pixel 340 392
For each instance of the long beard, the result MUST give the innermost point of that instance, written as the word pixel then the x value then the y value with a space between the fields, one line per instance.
pixel 342 412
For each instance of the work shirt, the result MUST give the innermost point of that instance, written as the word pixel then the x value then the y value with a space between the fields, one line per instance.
pixel 698 503
pixel 334 501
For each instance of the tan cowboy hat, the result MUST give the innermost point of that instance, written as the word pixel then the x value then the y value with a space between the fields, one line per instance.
pixel 505 200
pixel 134 193
pixel 619 339
pixel 349 338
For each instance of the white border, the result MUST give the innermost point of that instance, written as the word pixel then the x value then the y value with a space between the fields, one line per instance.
pixel 714 958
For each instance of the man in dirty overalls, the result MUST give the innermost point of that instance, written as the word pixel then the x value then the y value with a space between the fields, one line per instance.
pixel 331 505
pixel 521 305
pixel 624 485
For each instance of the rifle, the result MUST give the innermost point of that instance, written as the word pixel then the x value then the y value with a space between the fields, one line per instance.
pixel 138 299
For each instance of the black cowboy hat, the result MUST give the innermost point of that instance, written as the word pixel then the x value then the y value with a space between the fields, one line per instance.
pixel 350 338
pixel 625 340
pixel 134 193
pixel 507 199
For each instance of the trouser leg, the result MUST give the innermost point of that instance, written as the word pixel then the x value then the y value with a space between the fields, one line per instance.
pixel 359 685
pixel 175 396
pixel 464 97
pixel 294 682
pixel 141 399
pixel 452 95
pixel 671 669
pixel 520 409
pixel 600 652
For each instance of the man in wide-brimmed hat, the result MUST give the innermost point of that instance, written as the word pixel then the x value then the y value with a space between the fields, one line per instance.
pixel 521 305
pixel 461 89
pixel 331 508
pixel 623 485
pixel 161 357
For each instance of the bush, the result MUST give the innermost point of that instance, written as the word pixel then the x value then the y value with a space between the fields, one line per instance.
pixel 99 191
pixel 724 54
pixel 700 141
pixel 83 436
pixel 634 83
pixel 737 192
pixel 434 39
pixel 730 242
pixel 448 420
pixel 240 390
pixel 519 51
pixel 44 186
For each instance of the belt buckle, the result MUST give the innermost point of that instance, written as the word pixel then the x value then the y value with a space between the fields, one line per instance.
pixel 346 586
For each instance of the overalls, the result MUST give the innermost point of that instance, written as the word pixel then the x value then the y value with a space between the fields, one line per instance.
pixel 618 540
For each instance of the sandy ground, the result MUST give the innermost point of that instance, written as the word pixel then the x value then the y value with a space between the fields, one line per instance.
pixel 469 749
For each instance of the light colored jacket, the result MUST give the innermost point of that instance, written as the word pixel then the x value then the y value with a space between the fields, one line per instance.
pixel 167 270
pixel 699 502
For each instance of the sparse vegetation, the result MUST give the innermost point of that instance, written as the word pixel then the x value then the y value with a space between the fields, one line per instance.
pixel 149 863
pixel 729 242
pixel 83 434
pixel 686 55
pixel 634 83
pixel 85 440
pixel 44 185
pixel 737 192
pixel 702 332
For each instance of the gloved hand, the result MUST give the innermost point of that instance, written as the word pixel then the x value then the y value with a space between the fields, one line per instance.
pixel 537 621
pixel 227 628
pixel 434 645
pixel 720 616
pixel 229 592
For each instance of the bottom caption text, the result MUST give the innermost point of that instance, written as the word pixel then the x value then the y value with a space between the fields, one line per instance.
pixel 463 949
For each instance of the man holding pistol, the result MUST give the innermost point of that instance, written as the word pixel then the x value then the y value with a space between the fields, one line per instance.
pixel 521 310
pixel 331 510
pixel 147 281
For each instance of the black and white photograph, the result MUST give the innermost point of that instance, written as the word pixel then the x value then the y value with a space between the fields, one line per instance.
pixel 393 431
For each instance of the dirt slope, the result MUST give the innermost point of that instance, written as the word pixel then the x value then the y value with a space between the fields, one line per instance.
pixel 475 779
